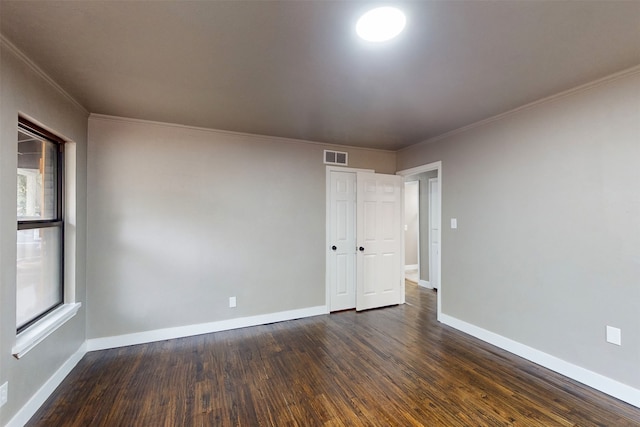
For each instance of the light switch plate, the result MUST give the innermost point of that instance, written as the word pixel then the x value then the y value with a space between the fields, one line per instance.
pixel 454 223
pixel 614 335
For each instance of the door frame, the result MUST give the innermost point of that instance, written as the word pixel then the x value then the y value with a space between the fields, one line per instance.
pixel 417 184
pixel 327 273
pixel 427 168
pixel 434 284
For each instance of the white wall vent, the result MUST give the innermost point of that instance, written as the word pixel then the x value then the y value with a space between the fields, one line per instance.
pixel 335 158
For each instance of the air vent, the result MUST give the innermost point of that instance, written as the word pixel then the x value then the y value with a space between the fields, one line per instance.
pixel 335 158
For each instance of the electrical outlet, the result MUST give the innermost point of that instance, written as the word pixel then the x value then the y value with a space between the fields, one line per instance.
pixel 614 335
pixel 232 302
pixel 4 391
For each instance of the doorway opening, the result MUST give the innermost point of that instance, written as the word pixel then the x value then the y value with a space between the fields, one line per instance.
pixel 429 183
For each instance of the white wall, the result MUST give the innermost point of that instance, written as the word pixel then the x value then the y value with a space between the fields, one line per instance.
pixel 24 90
pixel 181 219
pixel 547 250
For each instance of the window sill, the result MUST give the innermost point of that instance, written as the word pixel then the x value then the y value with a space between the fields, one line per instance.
pixel 31 337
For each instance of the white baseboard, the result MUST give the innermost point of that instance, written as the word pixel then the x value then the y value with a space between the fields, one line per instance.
pixel 202 328
pixel 409 267
pixel 31 407
pixel 599 382
pixel 425 284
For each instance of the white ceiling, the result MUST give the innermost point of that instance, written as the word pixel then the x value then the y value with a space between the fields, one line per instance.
pixel 295 68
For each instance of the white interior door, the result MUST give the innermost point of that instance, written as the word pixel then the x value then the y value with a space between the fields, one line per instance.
pixel 434 233
pixel 342 238
pixel 379 235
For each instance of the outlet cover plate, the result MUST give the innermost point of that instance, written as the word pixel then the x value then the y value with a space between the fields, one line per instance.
pixel 232 302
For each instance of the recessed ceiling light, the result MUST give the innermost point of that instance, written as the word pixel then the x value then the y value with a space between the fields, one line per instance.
pixel 381 24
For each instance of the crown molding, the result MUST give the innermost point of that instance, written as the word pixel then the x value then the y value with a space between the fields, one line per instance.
pixel 108 117
pixel 5 43
pixel 569 92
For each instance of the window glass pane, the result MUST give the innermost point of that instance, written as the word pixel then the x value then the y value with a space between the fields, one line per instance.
pixel 38 272
pixel 37 177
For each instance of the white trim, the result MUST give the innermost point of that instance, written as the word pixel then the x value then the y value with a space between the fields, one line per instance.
pixel 70 221
pixel 39 71
pixel 432 279
pixel 437 166
pixel 336 168
pixel 202 328
pixel 44 327
pixel 585 87
pixel 420 169
pixel 597 381
pixel 29 409
pixel 403 242
pixel 418 226
pixel 410 267
pixel 425 284
pixel 107 117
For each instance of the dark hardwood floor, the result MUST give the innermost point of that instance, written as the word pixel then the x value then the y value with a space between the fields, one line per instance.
pixel 392 366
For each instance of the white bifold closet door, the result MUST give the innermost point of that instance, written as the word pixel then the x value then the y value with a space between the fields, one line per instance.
pixel 365 234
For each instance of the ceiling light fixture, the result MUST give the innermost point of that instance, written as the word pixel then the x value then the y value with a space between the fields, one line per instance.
pixel 381 24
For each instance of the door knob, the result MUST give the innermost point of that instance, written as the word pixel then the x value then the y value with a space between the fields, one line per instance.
pixel 334 247
pixel 361 248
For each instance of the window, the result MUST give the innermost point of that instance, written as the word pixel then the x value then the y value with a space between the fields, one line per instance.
pixel 39 275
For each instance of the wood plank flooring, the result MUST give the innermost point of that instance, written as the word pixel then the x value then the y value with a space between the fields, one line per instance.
pixel 395 366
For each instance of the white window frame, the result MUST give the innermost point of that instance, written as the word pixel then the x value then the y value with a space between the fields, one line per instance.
pixel 32 335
